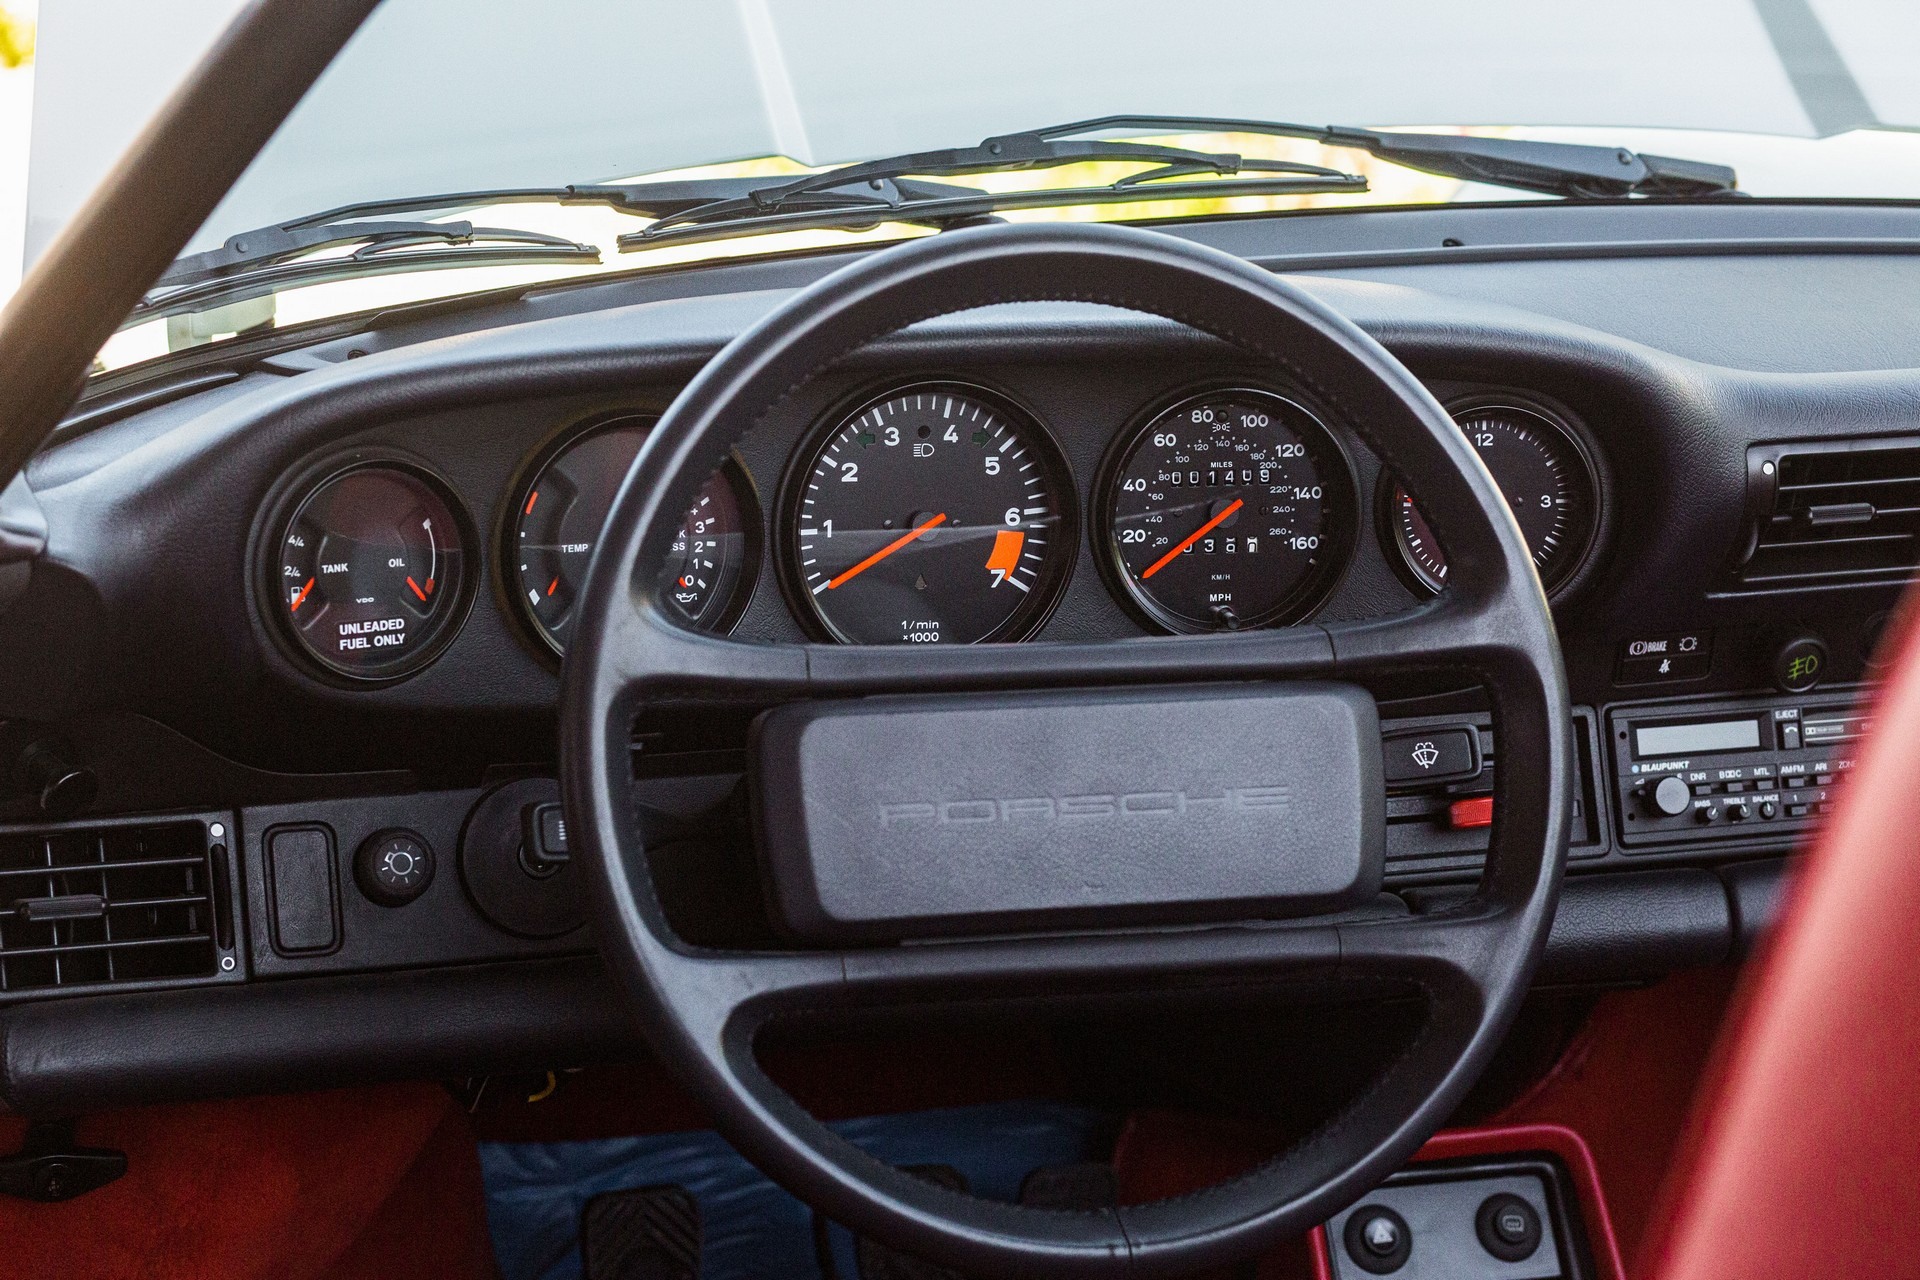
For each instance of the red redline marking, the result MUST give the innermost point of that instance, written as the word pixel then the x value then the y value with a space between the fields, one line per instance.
pixel 553 586
pixel 429 586
pixel 416 587
pixel 885 551
pixel 1192 538
pixel 531 499
pixel 301 598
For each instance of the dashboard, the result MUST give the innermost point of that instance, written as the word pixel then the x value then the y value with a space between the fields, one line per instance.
pixel 305 607
pixel 920 510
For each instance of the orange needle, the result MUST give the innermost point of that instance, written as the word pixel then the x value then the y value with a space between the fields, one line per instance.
pixel 1192 538
pixel 885 551
pixel 301 598
pixel 416 588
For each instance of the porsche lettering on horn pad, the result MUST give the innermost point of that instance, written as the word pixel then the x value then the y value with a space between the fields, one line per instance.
pixel 918 816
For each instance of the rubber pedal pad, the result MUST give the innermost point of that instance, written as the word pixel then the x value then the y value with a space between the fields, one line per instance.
pixel 646 1233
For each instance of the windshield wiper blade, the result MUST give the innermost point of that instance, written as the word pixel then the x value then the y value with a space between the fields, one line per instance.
pixel 862 195
pixel 1550 168
pixel 254 264
pixel 267 245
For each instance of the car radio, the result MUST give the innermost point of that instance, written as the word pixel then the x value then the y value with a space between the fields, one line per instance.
pixel 1750 768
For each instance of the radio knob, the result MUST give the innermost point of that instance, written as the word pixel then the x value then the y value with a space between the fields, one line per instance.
pixel 1738 812
pixel 1670 796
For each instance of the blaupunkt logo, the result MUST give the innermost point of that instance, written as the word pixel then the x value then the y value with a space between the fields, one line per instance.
pixel 1131 805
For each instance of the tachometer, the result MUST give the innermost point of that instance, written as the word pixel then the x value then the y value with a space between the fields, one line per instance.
pixel 933 514
pixel 371 572
pixel 559 513
pixel 1543 473
pixel 1228 509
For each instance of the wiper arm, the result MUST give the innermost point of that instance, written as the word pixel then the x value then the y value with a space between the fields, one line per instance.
pixel 875 191
pixel 865 194
pixel 1551 168
pixel 284 241
pixel 255 263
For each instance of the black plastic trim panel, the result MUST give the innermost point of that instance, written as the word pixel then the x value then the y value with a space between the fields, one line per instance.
pixel 68 1056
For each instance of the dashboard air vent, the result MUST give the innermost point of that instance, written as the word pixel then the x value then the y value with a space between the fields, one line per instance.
pixel 109 904
pixel 1834 511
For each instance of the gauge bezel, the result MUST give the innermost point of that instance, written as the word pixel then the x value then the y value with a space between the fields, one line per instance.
pixel 1313 591
pixel 506 545
pixel 1564 424
pixel 286 507
pixel 1047 592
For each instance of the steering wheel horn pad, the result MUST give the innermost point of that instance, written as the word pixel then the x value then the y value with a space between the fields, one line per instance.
pixel 1472 962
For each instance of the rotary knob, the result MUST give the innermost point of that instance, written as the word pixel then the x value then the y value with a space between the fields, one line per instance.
pixel 1670 797
pixel 393 868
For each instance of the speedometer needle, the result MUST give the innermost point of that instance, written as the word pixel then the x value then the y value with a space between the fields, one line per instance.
pixel 1190 539
pixel 886 551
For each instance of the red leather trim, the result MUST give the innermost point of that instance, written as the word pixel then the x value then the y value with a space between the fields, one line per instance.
pixel 1454 1144
pixel 1317 1245
pixel 1803 1157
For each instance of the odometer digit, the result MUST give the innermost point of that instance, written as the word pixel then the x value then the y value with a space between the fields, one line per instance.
pixel 1229 509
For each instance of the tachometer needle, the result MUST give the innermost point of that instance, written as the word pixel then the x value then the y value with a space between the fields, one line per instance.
pixel 886 551
pixel 1192 538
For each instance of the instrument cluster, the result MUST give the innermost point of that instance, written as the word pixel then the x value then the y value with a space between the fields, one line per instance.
pixel 917 512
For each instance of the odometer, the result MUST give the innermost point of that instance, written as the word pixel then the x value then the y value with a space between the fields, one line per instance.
pixel 932 514
pixel 1228 509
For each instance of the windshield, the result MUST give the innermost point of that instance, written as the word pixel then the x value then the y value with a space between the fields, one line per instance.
pixel 1800 97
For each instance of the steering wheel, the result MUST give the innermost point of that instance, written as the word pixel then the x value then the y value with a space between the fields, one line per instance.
pixel 1471 963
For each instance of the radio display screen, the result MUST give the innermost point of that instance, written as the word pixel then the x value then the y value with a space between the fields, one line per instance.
pixel 1701 738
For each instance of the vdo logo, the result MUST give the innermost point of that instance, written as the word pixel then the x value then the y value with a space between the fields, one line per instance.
pixel 979 810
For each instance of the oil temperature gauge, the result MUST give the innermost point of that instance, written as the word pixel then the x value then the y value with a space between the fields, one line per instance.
pixel 559 514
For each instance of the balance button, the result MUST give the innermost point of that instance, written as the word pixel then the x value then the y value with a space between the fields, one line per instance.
pixel 1768 809
pixel 1508 1227
pixel 1378 1240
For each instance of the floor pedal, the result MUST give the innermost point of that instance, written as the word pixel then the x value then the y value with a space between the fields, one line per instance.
pixel 648 1233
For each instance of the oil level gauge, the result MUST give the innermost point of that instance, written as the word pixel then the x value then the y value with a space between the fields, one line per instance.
pixel 371 574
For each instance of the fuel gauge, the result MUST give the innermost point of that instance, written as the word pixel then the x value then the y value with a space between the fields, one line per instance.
pixel 371 571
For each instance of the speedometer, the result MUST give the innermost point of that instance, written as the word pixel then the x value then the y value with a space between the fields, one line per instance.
pixel 931 514
pixel 1228 509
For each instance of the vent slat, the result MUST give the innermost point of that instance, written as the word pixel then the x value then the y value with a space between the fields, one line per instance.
pixel 1840 511
pixel 110 904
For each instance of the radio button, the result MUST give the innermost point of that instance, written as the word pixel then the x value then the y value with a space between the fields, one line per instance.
pixel 1796 811
pixel 1670 797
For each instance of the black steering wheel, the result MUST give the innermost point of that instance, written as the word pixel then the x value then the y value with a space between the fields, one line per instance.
pixel 1471 963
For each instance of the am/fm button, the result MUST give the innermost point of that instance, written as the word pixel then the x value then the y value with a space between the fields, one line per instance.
pixel 1431 755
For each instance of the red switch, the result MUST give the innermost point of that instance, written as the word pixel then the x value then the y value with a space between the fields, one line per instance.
pixel 1477 812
